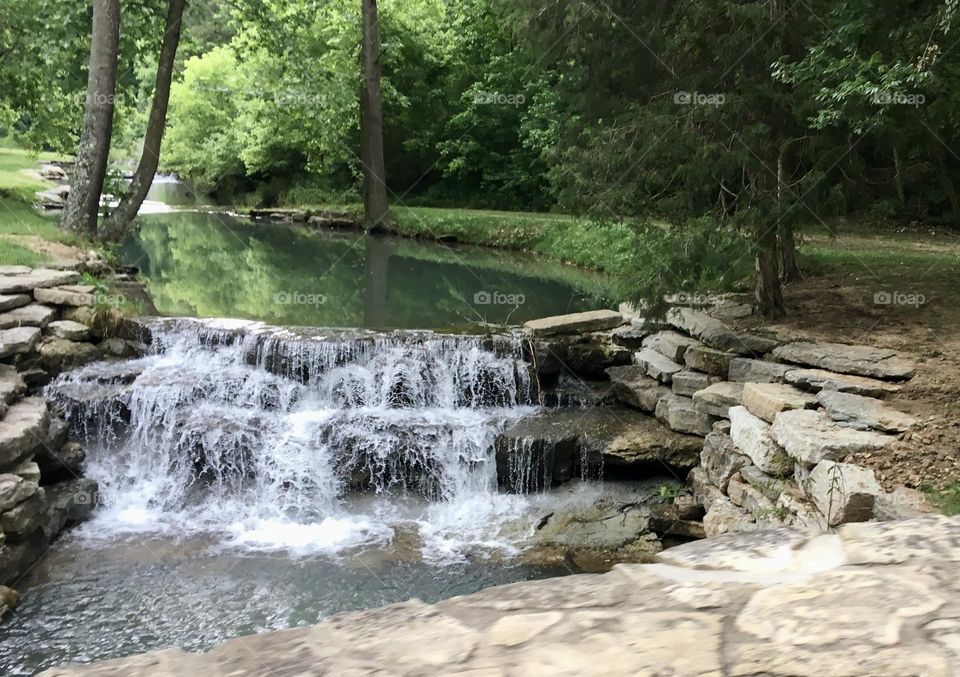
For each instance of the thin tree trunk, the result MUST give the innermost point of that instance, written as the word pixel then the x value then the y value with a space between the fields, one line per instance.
pixel 93 150
pixel 768 292
pixel 119 221
pixel 948 187
pixel 790 267
pixel 898 167
pixel 376 208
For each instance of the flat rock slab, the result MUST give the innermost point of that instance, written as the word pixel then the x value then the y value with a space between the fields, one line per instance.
pixel 575 323
pixel 59 353
pixel 18 340
pixel 747 370
pixel 858 360
pixel 76 296
pixel 709 360
pixel 820 379
pixel 716 334
pixel 22 428
pixel 33 315
pixel 687 382
pixel 671 344
pixel 757 551
pixel 864 413
pixel 632 386
pixel 766 400
pixel 11 301
pixel 69 330
pixel 38 278
pixel 717 399
pixel 812 436
pixel 657 365
pixel 753 437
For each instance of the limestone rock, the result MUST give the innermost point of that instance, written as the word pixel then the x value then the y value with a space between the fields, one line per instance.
pixel 122 348
pixel 65 463
pixel 749 498
pixel 11 301
pixel 820 379
pixel 746 370
pixel 902 503
pixel 766 400
pixel 25 423
pixel 23 518
pixel 858 360
pixel 596 320
pixel 28 470
pixel 33 315
pixel 69 330
pixel 686 383
pixel 18 341
pixel 864 413
pixel 666 520
pixel 771 487
pixel 69 502
pixel 753 437
pixel 724 517
pixel 843 492
pixel 671 344
pixel 679 414
pixel 717 399
pixel 717 334
pixel 708 360
pixel 704 492
pixel 801 514
pixel 812 436
pixel 606 526
pixel 69 295
pixel 720 460
pixel 12 387
pixel 57 354
pixel 13 490
pixel 36 279
pixel 657 366
pixel 632 386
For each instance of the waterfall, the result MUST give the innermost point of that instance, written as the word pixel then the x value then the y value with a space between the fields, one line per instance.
pixel 304 440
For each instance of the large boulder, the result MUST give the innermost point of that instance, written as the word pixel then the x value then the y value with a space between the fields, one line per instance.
pixel 812 436
pixel 747 370
pixel 766 400
pixel 38 278
pixel 753 436
pixel 858 360
pixel 632 386
pixel 24 424
pixel 843 492
pixel 657 365
pixel 820 379
pixel 864 413
pixel 717 334
pixel 69 502
pixel 25 517
pixel 717 399
pixel 575 323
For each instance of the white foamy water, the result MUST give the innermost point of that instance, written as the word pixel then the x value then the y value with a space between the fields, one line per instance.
pixel 264 438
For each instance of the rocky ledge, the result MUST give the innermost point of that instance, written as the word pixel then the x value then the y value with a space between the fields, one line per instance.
pixel 877 599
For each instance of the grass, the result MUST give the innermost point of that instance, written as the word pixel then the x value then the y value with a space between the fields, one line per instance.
pixel 947 498
pixel 18 219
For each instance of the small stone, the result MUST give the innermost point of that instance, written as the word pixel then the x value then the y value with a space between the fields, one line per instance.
pixel 864 413
pixel 9 599
pixel 69 330
pixel 749 498
pixel 771 487
pixel 753 437
pixel 766 400
pixel 575 323
pixel 656 365
pixel 717 399
pixel 724 517
pixel 812 436
pixel 746 370
pixel 708 360
pixel 686 383
pixel 12 387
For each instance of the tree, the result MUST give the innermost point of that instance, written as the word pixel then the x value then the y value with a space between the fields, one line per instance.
pixel 117 223
pixel 90 168
pixel 376 207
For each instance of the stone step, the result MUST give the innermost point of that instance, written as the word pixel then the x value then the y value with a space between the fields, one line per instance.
pixel 671 344
pixel 766 400
pixel 717 399
pixel 864 413
pixel 716 334
pixel 71 295
pixel 821 379
pixel 688 382
pixel 574 323
pixel 18 341
pixel 812 436
pixel 11 301
pixel 709 360
pixel 33 315
pixel 747 370
pixel 69 330
pixel 38 278
pixel 679 414
pixel 867 361
pixel 657 365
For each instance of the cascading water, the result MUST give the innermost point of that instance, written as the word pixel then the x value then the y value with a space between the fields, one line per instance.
pixel 306 441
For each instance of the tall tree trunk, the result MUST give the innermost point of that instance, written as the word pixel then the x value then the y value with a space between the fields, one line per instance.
pixel 898 168
pixel 119 221
pixel 768 292
pixel 790 267
pixel 376 208
pixel 948 186
pixel 90 168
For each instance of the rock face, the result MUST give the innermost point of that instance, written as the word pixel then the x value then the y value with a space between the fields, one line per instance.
pixel 717 399
pixel 632 386
pixel 657 365
pixel 858 360
pixel 746 370
pixel 597 320
pixel 864 413
pixel 843 492
pixel 753 436
pixel 812 436
pixel 819 379
pixel 766 400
